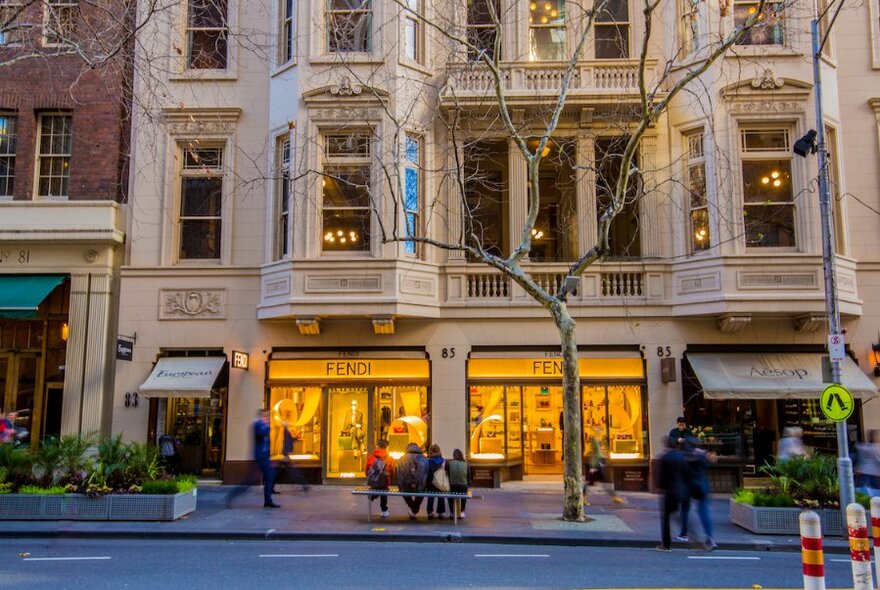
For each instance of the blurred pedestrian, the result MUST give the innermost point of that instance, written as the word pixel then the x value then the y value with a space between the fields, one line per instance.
pixel 672 478
pixel 7 430
pixel 262 461
pixel 698 461
pixel 791 444
pixel 868 463
pixel 168 453
pixel 597 470
pixel 291 472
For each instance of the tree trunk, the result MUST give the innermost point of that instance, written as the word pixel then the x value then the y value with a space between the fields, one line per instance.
pixel 572 442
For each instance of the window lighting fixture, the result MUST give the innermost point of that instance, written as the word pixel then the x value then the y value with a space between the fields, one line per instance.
pixel 65 331
pixel 537 234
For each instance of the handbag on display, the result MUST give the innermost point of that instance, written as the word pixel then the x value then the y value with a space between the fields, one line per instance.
pixel 441 479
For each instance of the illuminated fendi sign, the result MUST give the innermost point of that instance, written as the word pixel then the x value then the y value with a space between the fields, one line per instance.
pixel 592 368
pixel 348 369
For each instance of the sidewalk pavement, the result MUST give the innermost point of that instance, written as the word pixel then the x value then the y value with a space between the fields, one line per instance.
pixel 517 516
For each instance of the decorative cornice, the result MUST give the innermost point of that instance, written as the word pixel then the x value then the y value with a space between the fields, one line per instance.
pixel 346 88
pixel 192 304
pixel 768 81
pixel 185 120
pixel 809 323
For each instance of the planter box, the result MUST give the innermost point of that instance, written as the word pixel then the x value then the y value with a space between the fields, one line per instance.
pixel 783 521
pixel 109 507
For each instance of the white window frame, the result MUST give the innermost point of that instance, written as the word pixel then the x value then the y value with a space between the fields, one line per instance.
pixel 351 160
pixel 287 32
pixel 411 166
pixel 757 155
pixel 598 23
pixel 470 26
pixel 695 159
pixel 10 11
pixel 539 21
pixel 8 134
pixel 283 199
pixel 223 31
pixel 367 8
pixel 771 9
pixel 196 171
pixel 836 189
pixel 55 35
pixel 62 155
pixel 413 34
pixel 689 28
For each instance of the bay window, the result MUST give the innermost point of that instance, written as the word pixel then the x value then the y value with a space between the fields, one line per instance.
pixel 768 198
pixel 346 184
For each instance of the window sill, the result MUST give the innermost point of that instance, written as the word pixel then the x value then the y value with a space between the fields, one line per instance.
pixel 415 66
pixel 203 76
pixel 283 68
pixel 194 262
pixel 774 250
pixel 346 59
pixel 52 198
pixel 749 51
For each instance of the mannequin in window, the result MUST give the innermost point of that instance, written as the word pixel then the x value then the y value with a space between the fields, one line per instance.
pixel 353 426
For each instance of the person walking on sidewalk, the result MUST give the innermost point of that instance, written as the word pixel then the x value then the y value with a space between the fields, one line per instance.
pixel 261 457
pixel 412 476
pixel 698 486
pixel 291 472
pixel 672 478
pixel 459 480
pixel 380 473
pixel 436 462
pixel 597 470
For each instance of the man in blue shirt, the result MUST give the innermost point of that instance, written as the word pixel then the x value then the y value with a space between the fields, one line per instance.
pixel 261 457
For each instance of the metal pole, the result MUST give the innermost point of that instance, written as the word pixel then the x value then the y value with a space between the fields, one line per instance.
pixel 844 464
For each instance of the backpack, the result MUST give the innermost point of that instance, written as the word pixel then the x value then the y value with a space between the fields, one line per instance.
pixel 408 474
pixel 377 475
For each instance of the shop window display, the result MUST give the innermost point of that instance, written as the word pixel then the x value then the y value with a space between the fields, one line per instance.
pixel 618 415
pixel 299 410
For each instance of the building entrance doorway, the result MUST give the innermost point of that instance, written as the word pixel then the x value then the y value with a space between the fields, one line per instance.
pixel 542 429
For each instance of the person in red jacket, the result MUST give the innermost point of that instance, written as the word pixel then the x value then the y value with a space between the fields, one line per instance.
pixel 387 466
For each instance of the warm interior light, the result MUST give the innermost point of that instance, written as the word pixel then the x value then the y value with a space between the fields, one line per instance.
pixel 554 13
pixel 537 234
pixel 65 331
pixel 533 6
pixel 700 234
pixel 544 20
pixel 752 10
pixel 765 180
pixel 774 174
pixel 547 7
pixel 777 183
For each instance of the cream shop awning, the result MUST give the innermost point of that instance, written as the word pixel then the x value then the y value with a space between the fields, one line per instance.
pixel 771 375
pixel 183 377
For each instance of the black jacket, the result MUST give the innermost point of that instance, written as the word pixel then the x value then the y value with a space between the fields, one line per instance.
pixel 674 476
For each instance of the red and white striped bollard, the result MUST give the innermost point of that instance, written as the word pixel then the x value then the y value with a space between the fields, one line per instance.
pixel 875 531
pixel 811 551
pixel 859 548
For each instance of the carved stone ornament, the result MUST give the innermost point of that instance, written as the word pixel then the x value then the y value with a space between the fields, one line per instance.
pixel 345 88
pixel 193 304
pixel 200 121
pixel 767 106
pixel 768 81
pixel 345 114
pixel 90 256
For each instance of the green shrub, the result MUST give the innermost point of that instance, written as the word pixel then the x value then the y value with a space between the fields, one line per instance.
pixel 186 483
pixel 159 486
pixel 803 481
pixel 16 464
pixel 42 491
pixel 6 487
pixel 744 496
pixel 864 499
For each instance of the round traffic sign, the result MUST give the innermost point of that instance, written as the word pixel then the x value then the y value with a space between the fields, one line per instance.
pixel 837 403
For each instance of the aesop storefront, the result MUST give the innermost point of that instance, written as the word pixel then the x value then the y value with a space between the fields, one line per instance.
pixel 338 404
pixel 515 413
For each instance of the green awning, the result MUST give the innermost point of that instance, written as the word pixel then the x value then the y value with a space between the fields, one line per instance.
pixel 21 295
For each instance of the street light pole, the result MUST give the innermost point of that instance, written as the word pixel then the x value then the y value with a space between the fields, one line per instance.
pixel 832 311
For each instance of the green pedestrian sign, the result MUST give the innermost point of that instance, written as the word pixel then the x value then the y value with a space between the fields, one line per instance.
pixel 837 403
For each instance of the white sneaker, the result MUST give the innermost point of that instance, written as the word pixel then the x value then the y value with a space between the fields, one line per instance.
pixel 384 514
pixel 462 515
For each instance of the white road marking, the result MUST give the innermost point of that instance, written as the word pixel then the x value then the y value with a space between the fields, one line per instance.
pixel 510 555
pixel 66 558
pixel 300 555
pixel 840 560
pixel 724 557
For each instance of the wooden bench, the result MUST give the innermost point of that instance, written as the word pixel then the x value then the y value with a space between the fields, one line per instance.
pixel 395 491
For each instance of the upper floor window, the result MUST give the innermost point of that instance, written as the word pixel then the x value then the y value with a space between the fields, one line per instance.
pixel 624 237
pixel 695 183
pixel 346 205
pixel 555 235
pixel 10 30
pixel 835 189
pixel 7 153
pixel 201 202
pixel 412 187
pixel 825 12
pixel 688 27
pixel 768 198
pixel 413 42
pixel 481 28
pixel 546 30
pixel 207 35
pixel 611 29
pixel 60 21
pixel 283 204
pixel 486 182
pixel 287 40
pixel 349 26
pixel 53 155
pixel 769 28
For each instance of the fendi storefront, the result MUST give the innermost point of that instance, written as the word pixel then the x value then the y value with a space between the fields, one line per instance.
pixel 515 413
pixel 337 405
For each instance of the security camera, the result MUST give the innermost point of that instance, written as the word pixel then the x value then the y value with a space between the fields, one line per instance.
pixel 806 144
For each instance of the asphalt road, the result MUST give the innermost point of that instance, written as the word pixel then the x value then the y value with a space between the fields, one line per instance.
pixel 60 564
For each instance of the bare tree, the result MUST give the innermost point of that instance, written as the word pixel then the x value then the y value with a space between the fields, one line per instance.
pixel 473 35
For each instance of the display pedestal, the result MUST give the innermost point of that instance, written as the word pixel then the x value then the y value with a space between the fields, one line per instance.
pixel 348 463
pixel 544 457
